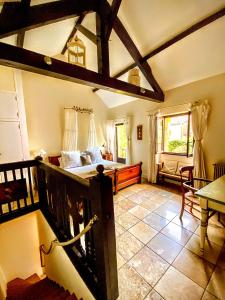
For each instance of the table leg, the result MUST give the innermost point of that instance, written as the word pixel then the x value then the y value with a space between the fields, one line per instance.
pixel 204 224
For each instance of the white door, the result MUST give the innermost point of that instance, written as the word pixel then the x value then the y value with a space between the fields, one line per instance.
pixel 10 142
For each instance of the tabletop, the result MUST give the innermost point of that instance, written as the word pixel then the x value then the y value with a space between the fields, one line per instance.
pixel 214 191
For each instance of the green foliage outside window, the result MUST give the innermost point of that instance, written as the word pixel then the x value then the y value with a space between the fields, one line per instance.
pixel 176 146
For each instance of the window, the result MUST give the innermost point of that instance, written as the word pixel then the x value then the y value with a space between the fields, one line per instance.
pixel 175 134
pixel 121 143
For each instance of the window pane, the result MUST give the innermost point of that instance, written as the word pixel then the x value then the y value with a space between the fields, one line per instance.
pixel 121 141
pixel 175 134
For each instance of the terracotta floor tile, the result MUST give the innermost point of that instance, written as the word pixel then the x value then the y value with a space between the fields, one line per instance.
pixel 216 234
pixel 149 265
pixel 208 296
pixel 150 204
pixel 165 247
pixel 118 210
pixel 139 212
pixel 216 285
pixel 155 221
pixel 131 285
pixel 120 260
pixel 153 295
pixel 137 198
pixel 211 252
pixel 128 245
pixel 143 232
pixel 126 192
pixel 127 204
pixel 177 233
pixel 119 229
pixel 194 267
pixel 117 198
pixel 147 193
pixel 176 286
pixel 127 220
pixel 165 212
pixel 188 222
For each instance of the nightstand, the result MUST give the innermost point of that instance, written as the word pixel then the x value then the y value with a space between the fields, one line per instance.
pixel 107 156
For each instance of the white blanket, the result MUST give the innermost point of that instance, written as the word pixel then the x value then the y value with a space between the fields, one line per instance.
pixel 90 170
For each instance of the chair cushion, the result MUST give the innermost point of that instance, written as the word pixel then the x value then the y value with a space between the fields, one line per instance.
pixel 169 166
pixel 70 159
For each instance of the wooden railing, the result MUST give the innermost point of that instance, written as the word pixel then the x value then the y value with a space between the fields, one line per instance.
pixel 68 202
pixel 18 189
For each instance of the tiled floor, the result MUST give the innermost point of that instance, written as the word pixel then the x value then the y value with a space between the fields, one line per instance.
pixel 158 256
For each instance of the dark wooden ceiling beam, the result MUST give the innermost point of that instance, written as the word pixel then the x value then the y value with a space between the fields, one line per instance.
pixel 134 52
pixel 21 33
pixel 73 32
pixel 114 11
pixel 30 61
pixel 174 40
pixel 13 18
pixel 102 44
pixel 89 34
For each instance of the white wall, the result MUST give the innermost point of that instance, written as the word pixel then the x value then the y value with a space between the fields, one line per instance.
pixel 45 99
pixel 19 240
pixel 19 255
pixel 58 266
pixel 212 89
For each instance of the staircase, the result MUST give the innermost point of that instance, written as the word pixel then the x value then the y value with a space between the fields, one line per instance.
pixel 36 289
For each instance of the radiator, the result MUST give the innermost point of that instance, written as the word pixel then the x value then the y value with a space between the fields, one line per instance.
pixel 219 170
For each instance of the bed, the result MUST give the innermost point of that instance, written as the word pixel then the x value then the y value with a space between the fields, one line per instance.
pixel 122 175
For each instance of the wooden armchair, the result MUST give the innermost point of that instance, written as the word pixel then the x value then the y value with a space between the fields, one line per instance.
pixel 188 189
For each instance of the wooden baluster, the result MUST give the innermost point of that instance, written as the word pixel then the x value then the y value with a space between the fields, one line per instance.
pixel 30 186
pixel 22 177
pixel 104 235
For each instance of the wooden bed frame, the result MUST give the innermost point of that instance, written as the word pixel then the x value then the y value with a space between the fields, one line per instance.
pixel 121 178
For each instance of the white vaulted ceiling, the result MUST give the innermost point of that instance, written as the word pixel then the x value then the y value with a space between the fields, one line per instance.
pixel 150 23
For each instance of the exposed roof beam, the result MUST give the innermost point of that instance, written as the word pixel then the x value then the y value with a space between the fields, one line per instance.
pixel 21 33
pixel 174 40
pixel 30 61
pixel 102 44
pixel 134 52
pixel 13 18
pixel 114 10
pixel 89 34
pixel 73 32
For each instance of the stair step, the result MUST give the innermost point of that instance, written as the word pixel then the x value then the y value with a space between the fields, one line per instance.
pixel 35 288
pixel 33 278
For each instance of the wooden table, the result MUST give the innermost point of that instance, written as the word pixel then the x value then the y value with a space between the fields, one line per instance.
pixel 211 196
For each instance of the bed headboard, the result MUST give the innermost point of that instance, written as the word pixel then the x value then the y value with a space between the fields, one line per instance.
pixel 54 160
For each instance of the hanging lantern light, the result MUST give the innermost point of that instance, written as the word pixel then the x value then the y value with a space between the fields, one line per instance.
pixel 76 52
pixel 134 77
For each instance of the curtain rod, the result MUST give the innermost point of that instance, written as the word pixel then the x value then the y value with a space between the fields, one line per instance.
pixel 81 110
pixel 164 107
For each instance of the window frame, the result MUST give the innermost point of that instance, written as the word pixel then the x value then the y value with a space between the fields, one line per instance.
pixel 187 154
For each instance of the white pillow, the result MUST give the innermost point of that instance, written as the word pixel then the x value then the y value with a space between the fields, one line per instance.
pixel 169 166
pixel 96 155
pixel 70 159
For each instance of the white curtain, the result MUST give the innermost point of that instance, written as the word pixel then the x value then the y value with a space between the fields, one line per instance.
pixel 152 136
pixel 70 135
pixel 91 133
pixel 128 135
pixel 110 136
pixel 199 117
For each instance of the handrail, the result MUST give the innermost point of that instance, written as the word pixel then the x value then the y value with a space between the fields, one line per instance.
pixel 55 242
